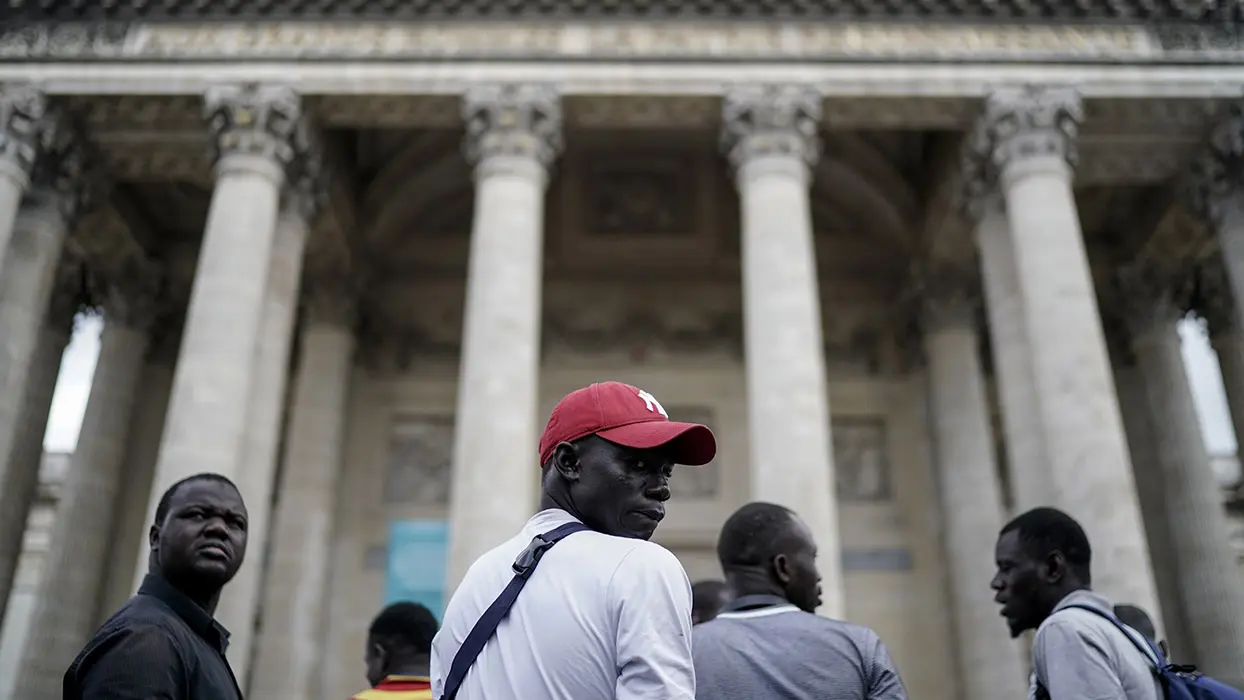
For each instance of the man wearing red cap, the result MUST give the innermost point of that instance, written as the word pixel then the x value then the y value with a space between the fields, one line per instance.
pixel 608 613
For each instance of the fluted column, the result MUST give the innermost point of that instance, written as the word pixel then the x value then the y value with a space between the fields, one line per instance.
pixel 1027 454
pixel 288 652
pixel 770 137
pixel 1027 138
pixel 26 288
pixel 971 495
pixel 513 135
pixel 1138 422
pixel 239 600
pixel 1217 194
pixel 261 140
pixel 66 609
pixel 25 128
pixel 1209 578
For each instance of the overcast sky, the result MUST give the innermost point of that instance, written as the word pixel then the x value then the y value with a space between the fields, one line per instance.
pixel 74 385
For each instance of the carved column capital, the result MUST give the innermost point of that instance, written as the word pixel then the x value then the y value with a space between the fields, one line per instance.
pixel 949 295
pixel 130 294
pixel 306 195
pixel 259 120
pixel 518 121
pixel 1019 124
pixel 332 299
pixel 1218 173
pixel 68 174
pixel 771 120
pixel 1149 295
pixel 1213 300
pixel 25 129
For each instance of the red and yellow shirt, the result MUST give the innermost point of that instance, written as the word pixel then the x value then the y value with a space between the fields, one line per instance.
pixel 399 688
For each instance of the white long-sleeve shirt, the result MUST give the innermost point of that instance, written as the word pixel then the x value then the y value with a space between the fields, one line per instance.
pixel 601 618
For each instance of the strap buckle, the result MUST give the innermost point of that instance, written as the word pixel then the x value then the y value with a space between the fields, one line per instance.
pixel 526 562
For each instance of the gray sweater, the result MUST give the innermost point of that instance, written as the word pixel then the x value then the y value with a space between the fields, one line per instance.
pixel 783 653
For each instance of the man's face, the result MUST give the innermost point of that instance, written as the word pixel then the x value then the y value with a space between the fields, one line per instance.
pixel 797 569
pixel 1019 585
pixel 203 538
pixel 621 491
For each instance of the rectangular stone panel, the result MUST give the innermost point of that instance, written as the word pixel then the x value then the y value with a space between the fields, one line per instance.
pixel 861 461
pixel 695 482
pixel 861 560
pixel 420 455
pixel 640 196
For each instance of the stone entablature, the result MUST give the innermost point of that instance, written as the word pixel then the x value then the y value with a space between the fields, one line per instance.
pixel 972 41
pixel 1039 10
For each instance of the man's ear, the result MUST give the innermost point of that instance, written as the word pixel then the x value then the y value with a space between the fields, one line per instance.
pixel 153 537
pixel 781 568
pixel 1054 567
pixel 566 461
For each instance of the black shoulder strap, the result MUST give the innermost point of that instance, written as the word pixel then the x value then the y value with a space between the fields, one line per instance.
pixel 483 630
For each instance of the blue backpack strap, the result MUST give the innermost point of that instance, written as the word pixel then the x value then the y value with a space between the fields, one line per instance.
pixel 1149 649
pixel 483 630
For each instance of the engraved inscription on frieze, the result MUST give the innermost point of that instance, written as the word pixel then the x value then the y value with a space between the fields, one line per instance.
pixel 695 482
pixel 420 453
pixel 640 197
pixel 860 459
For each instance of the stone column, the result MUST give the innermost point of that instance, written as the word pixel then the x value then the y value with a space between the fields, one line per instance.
pixel 261 139
pixel 67 607
pixel 288 653
pixel 129 532
pixel 1012 355
pixel 1027 136
pixel 263 426
pixel 513 135
pixel 1217 194
pixel 27 286
pixel 770 138
pixel 23 132
pixel 1138 422
pixel 971 495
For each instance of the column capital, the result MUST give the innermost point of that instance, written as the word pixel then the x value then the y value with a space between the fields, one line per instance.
pixel 306 194
pixel 1023 123
pixel 516 121
pixel 1213 301
pixel 1218 172
pixel 1148 295
pixel 332 299
pixel 260 120
pixel 949 294
pixel 25 128
pixel 771 120
pixel 68 173
pixel 129 294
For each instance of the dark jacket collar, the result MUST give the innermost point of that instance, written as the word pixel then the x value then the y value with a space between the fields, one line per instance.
pixel 194 616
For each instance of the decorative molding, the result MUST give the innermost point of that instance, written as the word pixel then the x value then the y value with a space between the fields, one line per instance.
pixel 641 335
pixel 654 194
pixel 25 126
pixel 1218 173
pixel 260 120
pixel 861 461
pixel 646 38
pixel 512 120
pixel 771 120
pixel 162 163
pixel 1026 122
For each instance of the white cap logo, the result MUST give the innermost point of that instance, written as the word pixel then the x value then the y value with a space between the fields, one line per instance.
pixel 651 403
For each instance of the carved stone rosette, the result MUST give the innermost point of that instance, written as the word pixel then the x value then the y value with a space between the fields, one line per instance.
pixel 260 120
pixel 512 120
pixel 1219 172
pixel 949 294
pixel 771 120
pixel 25 126
pixel 1023 123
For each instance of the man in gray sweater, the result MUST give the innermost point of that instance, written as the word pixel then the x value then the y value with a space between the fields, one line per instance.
pixel 1043 583
pixel 767 642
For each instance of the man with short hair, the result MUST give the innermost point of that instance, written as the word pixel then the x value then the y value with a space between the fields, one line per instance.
pixel 399 647
pixel 607 613
pixel 768 642
pixel 1043 582
pixel 164 643
pixel 1135 617
pixel 707 597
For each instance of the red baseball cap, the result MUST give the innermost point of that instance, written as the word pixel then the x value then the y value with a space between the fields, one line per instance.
pixel 628 416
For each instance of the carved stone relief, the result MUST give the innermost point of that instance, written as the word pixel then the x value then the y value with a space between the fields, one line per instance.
pixel 695 482
pixel 644 196
pixel 420 458
pixel 860 459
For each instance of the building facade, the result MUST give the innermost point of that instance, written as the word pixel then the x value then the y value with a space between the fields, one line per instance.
pixel 918 263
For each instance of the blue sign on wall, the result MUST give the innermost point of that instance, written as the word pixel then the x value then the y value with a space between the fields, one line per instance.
pixel 418 551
